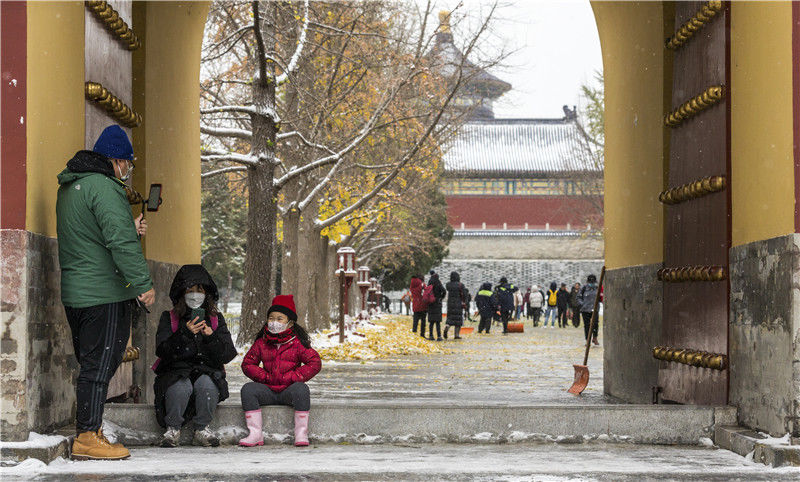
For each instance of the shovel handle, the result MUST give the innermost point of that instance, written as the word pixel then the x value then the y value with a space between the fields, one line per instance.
pixel 594 315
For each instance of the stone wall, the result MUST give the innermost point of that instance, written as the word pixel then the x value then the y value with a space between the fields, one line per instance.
pixel 764 333
pixel 145 326
pixel 631 328
pixel 522 273
pixel 526 247
pixel 37 367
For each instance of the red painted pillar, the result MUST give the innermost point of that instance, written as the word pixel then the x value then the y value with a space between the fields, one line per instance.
pixel 13 151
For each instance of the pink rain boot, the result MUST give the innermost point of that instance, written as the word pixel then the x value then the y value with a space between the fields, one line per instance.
pixel 301 429
pixel 256 437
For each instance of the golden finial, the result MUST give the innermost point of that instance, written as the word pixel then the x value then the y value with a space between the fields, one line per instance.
pixel 444 21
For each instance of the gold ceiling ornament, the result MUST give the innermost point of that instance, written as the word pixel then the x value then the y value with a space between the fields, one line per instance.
pixel 693 190
pixel 695 358
pixel 695 105
pixel 706 13
pixel 682 274
pixel 112 104
pixel 111 19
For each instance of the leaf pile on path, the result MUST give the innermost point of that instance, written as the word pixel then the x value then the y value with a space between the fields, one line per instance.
pixel 395 338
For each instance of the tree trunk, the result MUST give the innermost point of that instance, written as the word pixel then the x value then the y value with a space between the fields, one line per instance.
pixel 290 268
pixel 262 206
pixel 227 297
pixel 311 267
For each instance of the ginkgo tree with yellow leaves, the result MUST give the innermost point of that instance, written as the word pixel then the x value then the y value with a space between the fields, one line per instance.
pixel 325 108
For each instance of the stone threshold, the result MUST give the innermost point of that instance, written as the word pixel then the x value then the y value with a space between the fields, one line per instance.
pixel 391 422
pixel 745 441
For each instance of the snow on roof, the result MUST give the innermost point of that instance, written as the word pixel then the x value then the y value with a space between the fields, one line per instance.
pixel 514 146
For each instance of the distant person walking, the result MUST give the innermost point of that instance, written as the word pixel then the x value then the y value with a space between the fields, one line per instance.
pixel 575 305
pixel 456 299
pixel 434 294
pixel 486 307
pixel 517 305
pixel 536 303
pixel 587 295
pixel 552 305
pixel 418 305
pixel 505 300
pixel 467 304
pixel 526 303
pixel 562 303
pixel 406 300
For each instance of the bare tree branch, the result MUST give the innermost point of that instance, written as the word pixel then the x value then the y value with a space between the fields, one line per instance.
pixel 222 171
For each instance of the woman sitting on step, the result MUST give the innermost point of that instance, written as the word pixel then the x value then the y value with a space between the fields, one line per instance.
pixel 193 344
pixel 280 362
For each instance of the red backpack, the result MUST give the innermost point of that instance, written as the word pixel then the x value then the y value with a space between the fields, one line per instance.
pixel 427 295
pixel 173 320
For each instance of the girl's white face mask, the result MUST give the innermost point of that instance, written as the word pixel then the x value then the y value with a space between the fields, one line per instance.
pixel 277 326
pixel 194 300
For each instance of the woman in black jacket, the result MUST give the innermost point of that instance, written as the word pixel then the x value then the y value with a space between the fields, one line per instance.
pixel 435 308
pixel 193 345
pixel 456 299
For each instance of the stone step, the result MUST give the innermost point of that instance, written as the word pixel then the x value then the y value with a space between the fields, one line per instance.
pixel 745 442
pixel 386 422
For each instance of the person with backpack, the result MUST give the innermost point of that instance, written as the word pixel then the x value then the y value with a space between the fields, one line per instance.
pixel 575 305
pixel 536 302
pixel 505 300
pixel 586 297
pixel 552 305
pixel 418 305
pixel 486 307
pixel 193 345
pixel 456 299
pixel 562 303
pixel 433 294
pixel 280 363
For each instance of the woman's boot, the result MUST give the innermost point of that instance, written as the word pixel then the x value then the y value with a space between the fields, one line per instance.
pixel 256 437
pixel 458 332
pixel 301 429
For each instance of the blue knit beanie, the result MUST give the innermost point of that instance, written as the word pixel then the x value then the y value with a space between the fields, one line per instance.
pixel 113 142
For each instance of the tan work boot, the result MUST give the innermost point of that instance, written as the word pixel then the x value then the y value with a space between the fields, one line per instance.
pixel 113 444
pixel 94 446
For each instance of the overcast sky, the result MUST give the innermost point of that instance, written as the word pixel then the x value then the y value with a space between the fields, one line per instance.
pixel 556 49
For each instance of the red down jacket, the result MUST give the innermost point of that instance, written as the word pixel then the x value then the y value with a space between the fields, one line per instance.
pixel 285 360
pixel 416 288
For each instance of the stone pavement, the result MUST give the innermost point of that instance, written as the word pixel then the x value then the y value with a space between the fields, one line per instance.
pixel 534 367
pixel 508 462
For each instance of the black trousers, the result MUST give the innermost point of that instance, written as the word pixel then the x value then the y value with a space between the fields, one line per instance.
pixel 505 315
pixel 434 320
pixel 562 316
pixel 587 320
pixel 576 317
pixel 99 336
pixel 419 317
pixel 256 395
pixel 485 323
pixel 537 313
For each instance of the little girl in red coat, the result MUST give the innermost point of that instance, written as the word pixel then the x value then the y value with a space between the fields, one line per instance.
pixel 280 362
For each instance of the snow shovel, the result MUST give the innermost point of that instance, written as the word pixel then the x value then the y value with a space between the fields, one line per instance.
pixel 582 371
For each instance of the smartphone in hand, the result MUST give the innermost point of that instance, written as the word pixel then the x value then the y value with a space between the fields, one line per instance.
pixel 198 313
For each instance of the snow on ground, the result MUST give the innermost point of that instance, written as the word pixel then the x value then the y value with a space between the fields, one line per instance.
pixel 415 462
pixel 35 441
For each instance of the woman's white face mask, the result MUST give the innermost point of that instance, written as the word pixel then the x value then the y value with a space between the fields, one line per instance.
pixel 194 300
pixel 277 326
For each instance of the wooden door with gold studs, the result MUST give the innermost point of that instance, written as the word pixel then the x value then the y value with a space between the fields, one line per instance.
pixel 694 345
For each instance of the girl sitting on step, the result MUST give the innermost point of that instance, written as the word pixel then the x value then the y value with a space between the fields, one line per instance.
pixel 193 344
pixel 280 362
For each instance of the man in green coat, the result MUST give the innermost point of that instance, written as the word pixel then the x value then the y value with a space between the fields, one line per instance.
pixel 103 273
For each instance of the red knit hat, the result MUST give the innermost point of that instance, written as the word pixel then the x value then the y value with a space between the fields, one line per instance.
pixel 283 304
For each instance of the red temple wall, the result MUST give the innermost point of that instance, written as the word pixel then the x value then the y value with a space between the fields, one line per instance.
pixel 515 211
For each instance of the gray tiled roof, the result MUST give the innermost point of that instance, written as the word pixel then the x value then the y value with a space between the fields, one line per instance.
pixel 514 147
